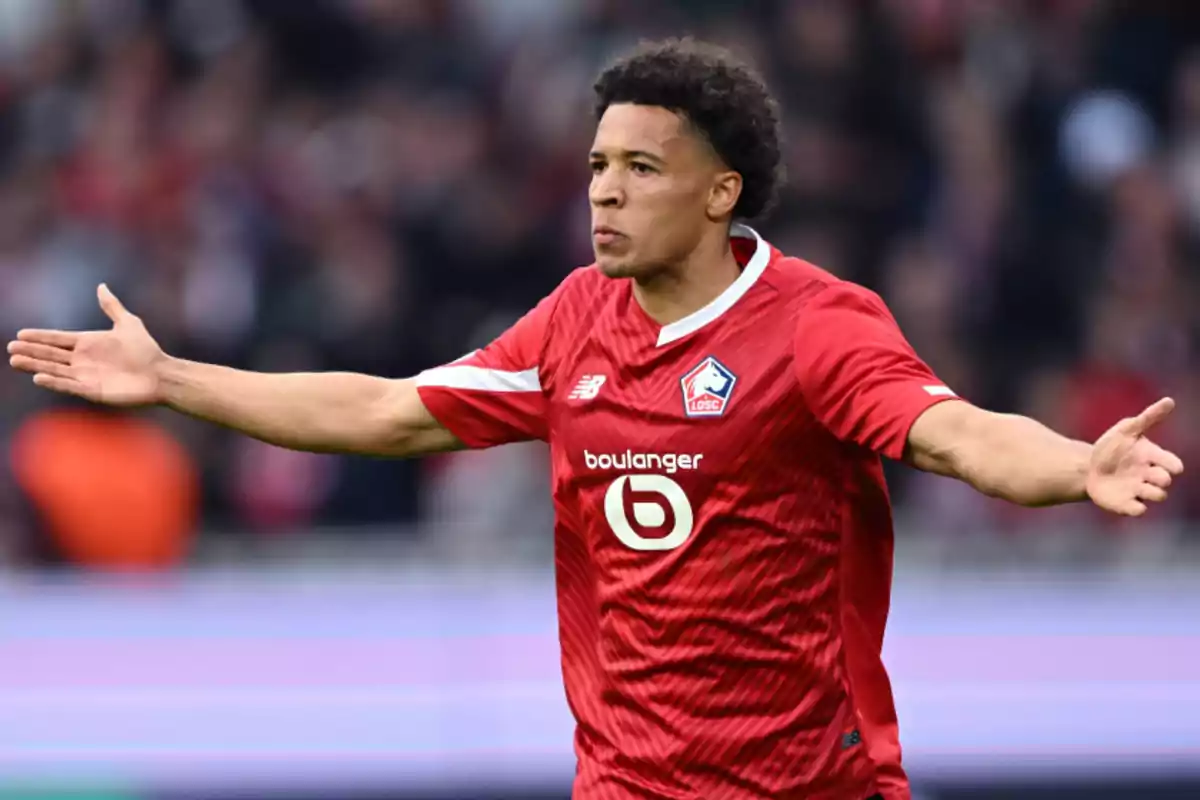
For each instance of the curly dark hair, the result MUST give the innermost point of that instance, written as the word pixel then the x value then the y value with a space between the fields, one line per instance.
pixel 723 98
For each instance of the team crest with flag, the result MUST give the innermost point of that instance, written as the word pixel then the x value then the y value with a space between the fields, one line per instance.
pixel 707 388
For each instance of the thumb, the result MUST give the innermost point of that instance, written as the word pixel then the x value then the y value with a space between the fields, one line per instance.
pixel 109 303
pixel 1156 413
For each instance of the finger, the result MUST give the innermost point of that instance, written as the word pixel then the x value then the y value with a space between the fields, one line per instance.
pixel 109 303
pixel 1132 508
pixel 38 366
pixel 63 385
pixel 1157 476
pixel 43 352
pixel 1166 459
pixel 1151 493
pixel 64 339
pixel 1146 420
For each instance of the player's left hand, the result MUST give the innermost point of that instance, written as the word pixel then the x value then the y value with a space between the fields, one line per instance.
pixel 1127 470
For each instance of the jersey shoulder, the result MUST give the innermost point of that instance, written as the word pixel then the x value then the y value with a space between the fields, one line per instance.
pixel 800 282
pixel 582 283
pixel 577 300
pixel 577 304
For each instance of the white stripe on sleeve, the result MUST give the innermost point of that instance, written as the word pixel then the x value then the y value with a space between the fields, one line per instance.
pixel 940 391
pixel 460 376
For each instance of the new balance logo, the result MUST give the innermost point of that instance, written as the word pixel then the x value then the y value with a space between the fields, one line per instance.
pixel 588 387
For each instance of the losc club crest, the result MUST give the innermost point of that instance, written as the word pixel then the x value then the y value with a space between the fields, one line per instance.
pixel 707 388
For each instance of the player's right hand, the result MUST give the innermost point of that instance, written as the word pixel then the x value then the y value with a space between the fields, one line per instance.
pixel 118 366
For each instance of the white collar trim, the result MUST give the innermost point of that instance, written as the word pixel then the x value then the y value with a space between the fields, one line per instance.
pixel 725 300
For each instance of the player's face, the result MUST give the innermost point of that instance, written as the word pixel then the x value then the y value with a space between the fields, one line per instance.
pixel 652 191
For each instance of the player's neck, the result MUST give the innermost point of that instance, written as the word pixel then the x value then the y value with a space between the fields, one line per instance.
pixel 685 288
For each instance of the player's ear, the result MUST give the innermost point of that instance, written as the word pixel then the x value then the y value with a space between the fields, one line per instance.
pixel 724 194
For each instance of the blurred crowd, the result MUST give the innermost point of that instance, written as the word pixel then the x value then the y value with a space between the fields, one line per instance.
pixel 381 185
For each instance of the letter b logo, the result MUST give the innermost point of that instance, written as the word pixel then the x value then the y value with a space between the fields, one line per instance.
pixel 648 514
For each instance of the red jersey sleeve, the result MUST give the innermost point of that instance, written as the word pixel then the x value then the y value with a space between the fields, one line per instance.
pixel 494 396
pixel 858 373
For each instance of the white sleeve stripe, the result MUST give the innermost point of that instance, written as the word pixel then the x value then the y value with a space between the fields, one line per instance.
pixel 940 391
pixel 459 376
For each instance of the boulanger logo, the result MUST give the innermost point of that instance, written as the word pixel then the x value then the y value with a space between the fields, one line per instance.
pixel 669 463
pixel 648 513
pixel 647 498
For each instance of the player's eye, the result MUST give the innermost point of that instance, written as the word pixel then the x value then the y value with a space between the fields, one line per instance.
pixel 642 168
pixel 597 167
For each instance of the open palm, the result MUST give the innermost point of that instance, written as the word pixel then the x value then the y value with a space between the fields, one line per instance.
pixel 1127 470
pixel 117 366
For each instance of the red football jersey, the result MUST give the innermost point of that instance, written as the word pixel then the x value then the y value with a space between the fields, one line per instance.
pixel 723 543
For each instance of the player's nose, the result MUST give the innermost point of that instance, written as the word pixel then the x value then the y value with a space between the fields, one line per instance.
pixel 606 192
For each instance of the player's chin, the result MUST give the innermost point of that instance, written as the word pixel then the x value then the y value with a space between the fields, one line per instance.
pixel 614 266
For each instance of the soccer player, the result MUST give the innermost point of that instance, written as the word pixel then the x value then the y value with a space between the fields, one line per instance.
pixel 716 413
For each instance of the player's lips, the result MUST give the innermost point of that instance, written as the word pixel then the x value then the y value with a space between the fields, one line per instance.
pixel 603 234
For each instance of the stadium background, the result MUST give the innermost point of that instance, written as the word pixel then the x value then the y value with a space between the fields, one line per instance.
pixel 381 186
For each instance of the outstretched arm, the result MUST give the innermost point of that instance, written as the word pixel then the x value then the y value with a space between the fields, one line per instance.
pixel 1020 460
pixel 324 412
pixel 867 385
pixel 333 412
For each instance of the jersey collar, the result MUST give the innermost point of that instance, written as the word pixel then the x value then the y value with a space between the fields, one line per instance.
pixel 725 300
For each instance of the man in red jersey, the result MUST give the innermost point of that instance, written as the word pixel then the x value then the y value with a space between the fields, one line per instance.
pixel 716 413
